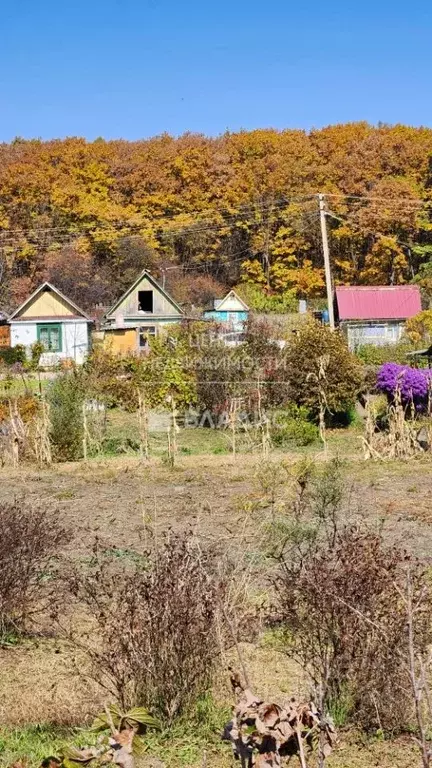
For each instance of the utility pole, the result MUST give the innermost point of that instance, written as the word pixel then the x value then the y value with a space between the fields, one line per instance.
pixel 326 252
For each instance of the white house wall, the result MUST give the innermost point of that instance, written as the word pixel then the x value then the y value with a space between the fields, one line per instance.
pixel 375 332
pixel 23 333
pixel 157 322
pixel 75 339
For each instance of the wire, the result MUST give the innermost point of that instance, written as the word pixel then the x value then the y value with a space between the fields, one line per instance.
pixel 221 264
pixel 367 198
pixel 371 287
pixel 114 227
pixel 192 229
pixel 254 207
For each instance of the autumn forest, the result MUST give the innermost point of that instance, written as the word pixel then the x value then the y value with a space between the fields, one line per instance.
pixel 208 213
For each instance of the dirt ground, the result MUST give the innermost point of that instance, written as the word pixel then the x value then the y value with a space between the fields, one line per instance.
pixel 114 500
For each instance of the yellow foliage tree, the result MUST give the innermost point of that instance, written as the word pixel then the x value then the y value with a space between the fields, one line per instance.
pixel 307 280
pixel 419 328
pixel 211 203
pixel 386 262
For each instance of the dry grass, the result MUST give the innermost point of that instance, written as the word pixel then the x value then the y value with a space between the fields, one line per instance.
pixel 111 499
pixel 39 684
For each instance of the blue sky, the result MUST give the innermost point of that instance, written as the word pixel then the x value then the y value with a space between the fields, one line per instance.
pixel 136 68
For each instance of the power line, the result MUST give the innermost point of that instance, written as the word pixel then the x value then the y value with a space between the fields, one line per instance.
pixel 188 229
pixel 210 261
pixel 373 199
pixel 253 207
pixel 86 229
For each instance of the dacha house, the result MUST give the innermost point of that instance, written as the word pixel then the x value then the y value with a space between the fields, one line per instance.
pixel 231 312
pixel 49 317
pixel 375 314
pixel 140 313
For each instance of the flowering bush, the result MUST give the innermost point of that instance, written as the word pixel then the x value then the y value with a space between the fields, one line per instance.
pixel 414 383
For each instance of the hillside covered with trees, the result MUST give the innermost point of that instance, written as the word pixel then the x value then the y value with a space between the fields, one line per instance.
pixel 207 213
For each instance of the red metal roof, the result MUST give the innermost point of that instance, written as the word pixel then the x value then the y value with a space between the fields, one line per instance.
pixel 377 302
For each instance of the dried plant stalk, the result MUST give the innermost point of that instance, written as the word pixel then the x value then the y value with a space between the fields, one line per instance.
pixel 41 438
pixel 263 423
pixel 400 441
pixel 234 408
pixel 14 437
pixel 172 431
pixel 143 426
pixel 85 431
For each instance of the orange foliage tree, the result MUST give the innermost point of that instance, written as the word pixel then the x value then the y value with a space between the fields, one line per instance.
pixel 242 205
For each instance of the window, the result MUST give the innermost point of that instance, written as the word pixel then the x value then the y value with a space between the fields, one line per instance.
pixel 145 301
pixel 377 334
pixel 144 334
pixel 50 336
pixel 374 331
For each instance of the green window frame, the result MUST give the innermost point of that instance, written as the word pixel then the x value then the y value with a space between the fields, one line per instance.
pixel 50 335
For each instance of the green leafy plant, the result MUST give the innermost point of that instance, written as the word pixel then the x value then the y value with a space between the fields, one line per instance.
pixel 65 396
pixel 261 301
pixel 138 718
pixel 11 355
pixel 369 354
pixel 36 350
pixel 300 374
pixel 293 426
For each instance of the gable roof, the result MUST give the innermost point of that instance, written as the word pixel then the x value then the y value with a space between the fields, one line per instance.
pixel 151 279
pixel 43 287
pixel 219 303
pixel 378 302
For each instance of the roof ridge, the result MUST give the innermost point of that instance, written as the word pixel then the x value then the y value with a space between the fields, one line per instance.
pixel 376 287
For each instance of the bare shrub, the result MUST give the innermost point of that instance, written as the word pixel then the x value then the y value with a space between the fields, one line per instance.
pixel 346 624
pixel 152 632
pixel 30 539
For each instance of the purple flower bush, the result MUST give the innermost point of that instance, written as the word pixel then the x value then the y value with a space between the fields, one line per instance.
pixel 414 383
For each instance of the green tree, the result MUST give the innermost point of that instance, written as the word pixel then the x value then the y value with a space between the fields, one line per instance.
pixel 342 378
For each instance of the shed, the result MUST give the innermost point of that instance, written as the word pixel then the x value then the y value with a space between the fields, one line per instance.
pixel 375 314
